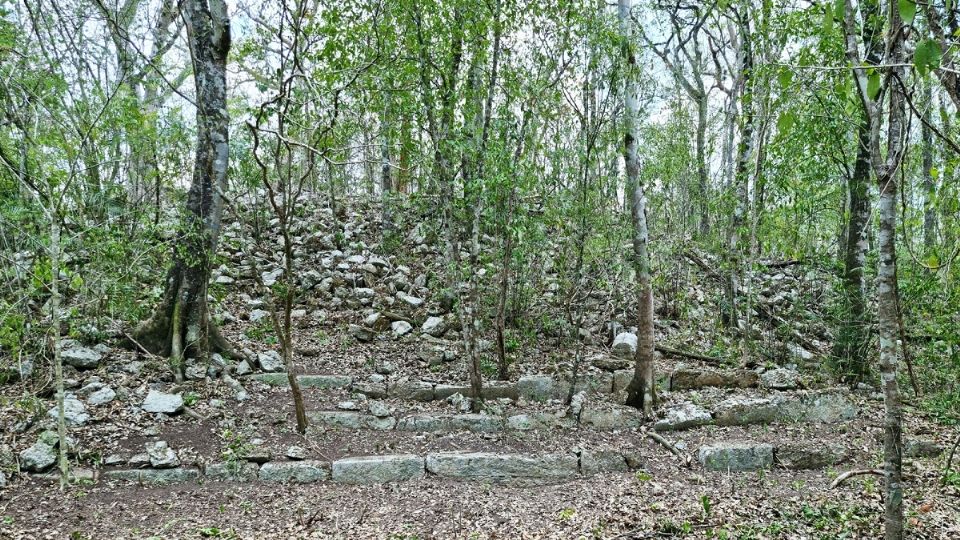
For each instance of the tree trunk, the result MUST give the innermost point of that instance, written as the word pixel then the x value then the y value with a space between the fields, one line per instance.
pixel 854 337
pixel 740 181
pixel 640 392
pixel 182 323
pixel 386 180
pixel 702 174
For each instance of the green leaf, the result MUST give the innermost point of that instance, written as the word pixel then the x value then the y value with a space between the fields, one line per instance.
pixel 927 56
pixel 873 84
pixel 908 10
pixel 827 22
pixel 784 122
pixel 785 77
pixel 840 9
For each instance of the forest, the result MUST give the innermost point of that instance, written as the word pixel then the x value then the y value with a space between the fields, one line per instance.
pixel 415 269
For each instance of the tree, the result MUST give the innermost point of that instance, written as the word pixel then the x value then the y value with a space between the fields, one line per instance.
pixel 873 89
pixel 181 324
pixel 641 392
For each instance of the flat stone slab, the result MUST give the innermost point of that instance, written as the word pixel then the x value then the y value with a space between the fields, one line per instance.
pixel 736 456
pixel 154 477
pixel 161 402
pixel 536 387
pixel 306 381
pixel 297 472
pixel 413 390
pixel 377 469
pixel 608 419
pixel 489 466
pixel 683 416
pixel 688 379
pixel 826 406
pixel 350 420
pixel 477 423
pixel 526 422
pixel 237 471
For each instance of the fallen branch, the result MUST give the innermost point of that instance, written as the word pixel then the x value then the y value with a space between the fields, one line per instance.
pixel 850 474
pixel 669 446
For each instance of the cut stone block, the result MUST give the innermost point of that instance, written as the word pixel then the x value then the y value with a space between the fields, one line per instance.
pixel 377 469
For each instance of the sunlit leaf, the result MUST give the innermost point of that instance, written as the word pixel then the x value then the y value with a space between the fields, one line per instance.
pixel 908 10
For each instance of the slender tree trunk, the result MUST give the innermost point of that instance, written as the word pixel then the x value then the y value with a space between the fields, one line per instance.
pixel 854 337
pixel 702 173
pixel 55 345
pixel 182 322
pixel 738 222
pixel 386 179
pixel 640 392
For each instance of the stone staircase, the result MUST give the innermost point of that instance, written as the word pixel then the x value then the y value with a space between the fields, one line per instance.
pixel 730 415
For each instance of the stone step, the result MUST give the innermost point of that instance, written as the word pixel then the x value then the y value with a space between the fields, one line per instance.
pixel 816 406
pixel 378 469
pixel 534 388
pixel 721 456
pixel 827 406
pixel 602 418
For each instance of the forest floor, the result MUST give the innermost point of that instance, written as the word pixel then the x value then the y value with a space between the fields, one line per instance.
pixel 663 494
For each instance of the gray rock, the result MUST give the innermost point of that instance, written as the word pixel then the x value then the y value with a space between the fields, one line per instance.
pixel 348 406
pixel 401 328
pixel 922 449
pixel 375 390
pixel 413 390
pixel 270 361
pixel 162 456
pixel 3 480
pixel 602 461
pixel 622 379
pixel 446 391
pixel 80 357
pixel 297 453
pixel 606 419
pixel 377 469
pixel 156 477
pixel 801 455
pixel 160 402
pixel 625 345
pixel 243 368
pixel 410 300
pixel 257 315
pixel 490 466
pixel 688 379
pixel 38 458
pixel 74 413
pixel 526 422
pixel 101 397
pixel 434 326
pixel 378 409
pixel 232 471
pixel 535 387
pixel 683 416
pixel 139 460
pixel 828 406
pixel 780 379
pixel 427 422
pixel 736 456
pixel 377 322
pixel 360 333
pixel 297 472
